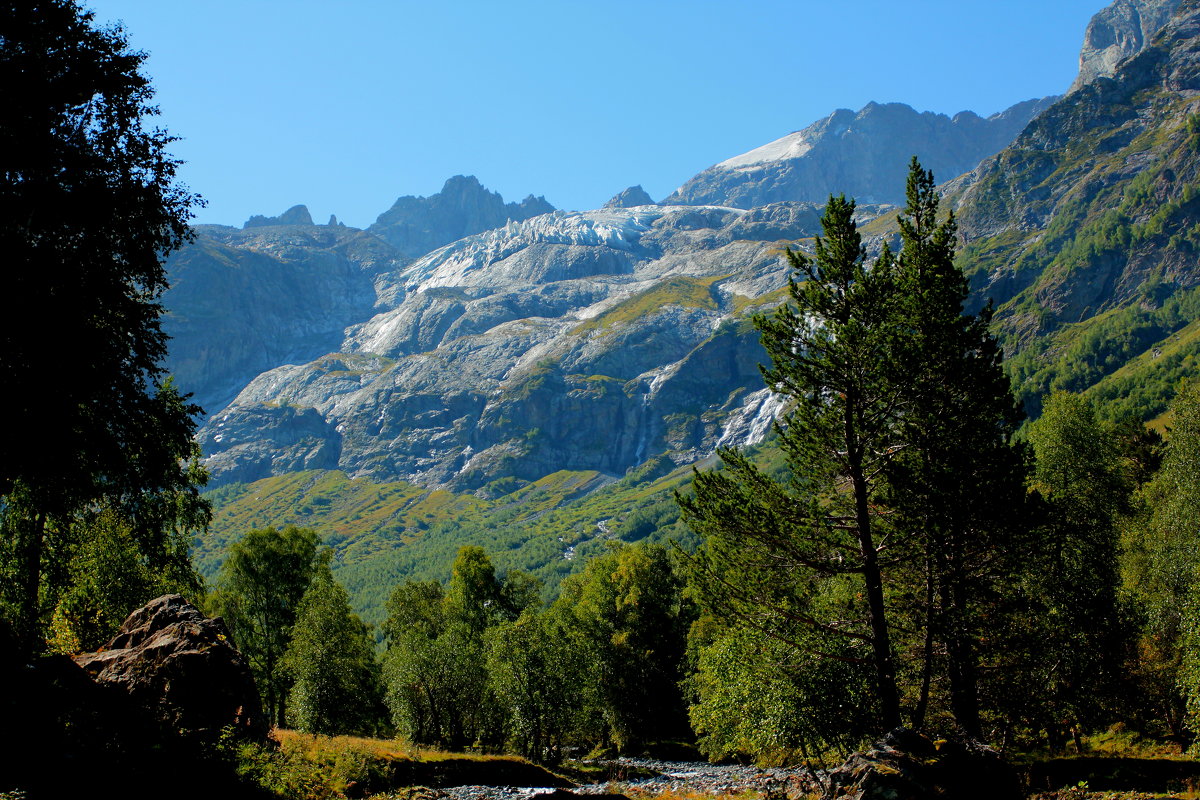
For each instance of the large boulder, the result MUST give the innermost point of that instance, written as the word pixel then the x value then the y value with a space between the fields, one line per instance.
pixel 905 765
pixel 180 670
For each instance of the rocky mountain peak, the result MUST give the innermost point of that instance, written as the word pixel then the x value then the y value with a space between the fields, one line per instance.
pixel 1118 31
pixel 1112 165
pixel 296 215
pixel 633 196
pixel 418 225
pixel 863 154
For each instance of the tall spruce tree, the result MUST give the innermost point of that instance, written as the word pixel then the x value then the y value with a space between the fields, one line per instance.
pixel 957 486
pixel 774 548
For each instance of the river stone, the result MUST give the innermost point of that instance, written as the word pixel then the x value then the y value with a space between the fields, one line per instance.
pixel 905 765
pixel 179 668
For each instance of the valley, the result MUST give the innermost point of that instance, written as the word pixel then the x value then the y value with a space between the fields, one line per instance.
pixel 617 342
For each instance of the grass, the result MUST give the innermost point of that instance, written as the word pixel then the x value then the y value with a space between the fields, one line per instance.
pixel 676 291
pixel 1082 793
pixel 1117 742
pixel 315 767
pixel 316 748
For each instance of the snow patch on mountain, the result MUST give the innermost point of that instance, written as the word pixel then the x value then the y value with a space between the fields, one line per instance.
pixel 462 263
pixel 794 145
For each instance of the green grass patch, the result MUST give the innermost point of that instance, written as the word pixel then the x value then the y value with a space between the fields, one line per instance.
pixel 679 290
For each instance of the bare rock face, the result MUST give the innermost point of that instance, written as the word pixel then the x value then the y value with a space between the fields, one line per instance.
pixel 418 225
pixel 180 668
pixel 1117 32
pixel 588 341
pixel 296 215
pixel 863 154
pixel 245 301
pixel 907 766
pixel 630 198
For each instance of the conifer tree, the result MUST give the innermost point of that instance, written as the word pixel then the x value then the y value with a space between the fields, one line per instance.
pixel 774 548
pixel 902 491
pixel 957 486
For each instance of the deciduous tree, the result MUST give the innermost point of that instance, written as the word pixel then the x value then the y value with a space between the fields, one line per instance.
pixel 259 590
pixel 89 207
pixel 336 683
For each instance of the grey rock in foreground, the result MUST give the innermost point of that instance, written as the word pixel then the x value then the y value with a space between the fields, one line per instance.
pixel 180 669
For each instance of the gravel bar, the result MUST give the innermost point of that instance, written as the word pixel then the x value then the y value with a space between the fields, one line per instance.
pixel 673 776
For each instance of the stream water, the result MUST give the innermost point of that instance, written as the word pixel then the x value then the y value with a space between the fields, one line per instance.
pixel 670 776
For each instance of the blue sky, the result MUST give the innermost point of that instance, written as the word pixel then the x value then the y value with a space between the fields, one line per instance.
pixel 345 106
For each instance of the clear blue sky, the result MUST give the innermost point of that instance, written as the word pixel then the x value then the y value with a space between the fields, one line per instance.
pixel 344 106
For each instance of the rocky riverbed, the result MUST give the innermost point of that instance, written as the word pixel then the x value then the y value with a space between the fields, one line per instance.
pixel 641 776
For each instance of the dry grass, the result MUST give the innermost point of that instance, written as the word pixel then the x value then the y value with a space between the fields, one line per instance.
pixel 1083 794
pixel 315 747
pixel 313 767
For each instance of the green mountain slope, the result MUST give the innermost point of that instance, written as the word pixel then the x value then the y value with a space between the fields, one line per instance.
pixel 1086 231
pixel 384 533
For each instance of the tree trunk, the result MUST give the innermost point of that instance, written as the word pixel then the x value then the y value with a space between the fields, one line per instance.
pixel 960 652
pixel 885 670
pixel 918 717
pixel 31 587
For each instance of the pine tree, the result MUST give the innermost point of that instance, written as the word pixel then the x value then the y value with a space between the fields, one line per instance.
pixel 775 550
pixel 957 486
pixel 902 492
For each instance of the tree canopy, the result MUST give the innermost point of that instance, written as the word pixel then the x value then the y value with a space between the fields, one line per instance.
pixel 886 530
pixel 89 208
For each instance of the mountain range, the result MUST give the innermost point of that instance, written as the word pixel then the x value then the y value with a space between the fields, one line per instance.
pixel 468 370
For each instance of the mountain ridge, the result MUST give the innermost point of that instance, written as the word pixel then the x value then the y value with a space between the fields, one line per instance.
pixel 861 154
